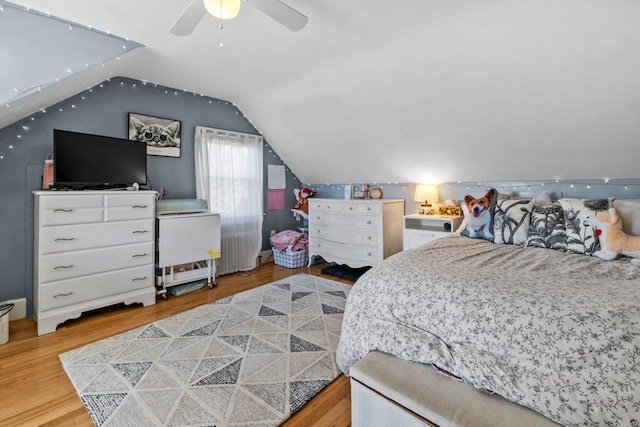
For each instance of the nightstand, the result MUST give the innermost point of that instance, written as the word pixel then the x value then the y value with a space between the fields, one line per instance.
pixel 421 229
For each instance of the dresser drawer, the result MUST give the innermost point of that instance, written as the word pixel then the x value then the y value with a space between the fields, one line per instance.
pixel 346 220
pixel 129 199
pixel 66 238
pixel 61 216
pixel 73 264
pixel 81 289
pixel 125 213
pixel 370 255
pixel 71 201
pixel 355 236
pixel 346 206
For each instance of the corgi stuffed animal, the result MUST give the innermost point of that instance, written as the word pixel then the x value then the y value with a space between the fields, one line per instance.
pixel 478 215
pixel 607 226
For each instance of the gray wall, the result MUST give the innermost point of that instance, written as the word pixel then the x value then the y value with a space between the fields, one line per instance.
pixel 579 189
pixel 103 110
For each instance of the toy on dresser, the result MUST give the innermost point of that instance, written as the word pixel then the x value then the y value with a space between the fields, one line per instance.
pixel 607 226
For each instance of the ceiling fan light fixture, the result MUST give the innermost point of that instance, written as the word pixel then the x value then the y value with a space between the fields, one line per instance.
pixel 223 9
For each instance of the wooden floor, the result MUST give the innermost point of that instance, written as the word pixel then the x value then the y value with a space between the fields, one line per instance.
pixel 35 390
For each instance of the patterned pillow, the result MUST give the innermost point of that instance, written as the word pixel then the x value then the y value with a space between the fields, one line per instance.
pixel 547 229
pixel 511 221
pixel 580 237
pixel 478 216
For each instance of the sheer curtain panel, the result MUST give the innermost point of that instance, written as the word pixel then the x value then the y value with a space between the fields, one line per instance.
pixel 229 173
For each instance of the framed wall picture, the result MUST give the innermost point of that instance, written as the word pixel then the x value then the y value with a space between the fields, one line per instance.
pixel 162 136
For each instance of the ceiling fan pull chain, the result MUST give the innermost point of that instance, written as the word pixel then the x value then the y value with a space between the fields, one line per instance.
pixel 221 28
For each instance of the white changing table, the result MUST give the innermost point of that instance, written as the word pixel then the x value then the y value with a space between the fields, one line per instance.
pixel 185 238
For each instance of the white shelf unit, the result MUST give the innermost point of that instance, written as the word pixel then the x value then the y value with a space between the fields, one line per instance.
pixel 186 238
pixel 422 229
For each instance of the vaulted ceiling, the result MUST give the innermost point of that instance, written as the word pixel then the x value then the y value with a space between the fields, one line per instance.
pixel 398 91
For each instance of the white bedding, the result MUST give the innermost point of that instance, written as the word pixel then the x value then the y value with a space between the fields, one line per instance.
pixel 557 332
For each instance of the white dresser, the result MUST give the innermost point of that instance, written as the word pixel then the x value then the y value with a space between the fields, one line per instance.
pixel 357 233
pixel 92 249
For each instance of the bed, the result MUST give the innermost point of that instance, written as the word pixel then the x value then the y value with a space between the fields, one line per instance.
pixel 553 331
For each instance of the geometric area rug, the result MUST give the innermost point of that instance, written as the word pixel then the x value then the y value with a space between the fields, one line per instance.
pixel 251 359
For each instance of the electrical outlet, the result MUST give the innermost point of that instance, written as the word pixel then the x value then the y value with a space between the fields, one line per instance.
pixel 273 232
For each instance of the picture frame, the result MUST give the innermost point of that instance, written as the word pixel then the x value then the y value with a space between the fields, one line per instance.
pixel 161 135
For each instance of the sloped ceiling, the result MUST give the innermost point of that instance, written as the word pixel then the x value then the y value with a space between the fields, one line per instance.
pixel 403 90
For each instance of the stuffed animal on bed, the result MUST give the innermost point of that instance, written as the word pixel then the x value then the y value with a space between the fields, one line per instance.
pixel 478 216
pixel 607 225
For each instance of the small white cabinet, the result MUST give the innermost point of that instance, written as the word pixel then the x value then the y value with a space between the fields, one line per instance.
pixel 91 249
pixel 422 229
pixel 187 238
pixel 357 233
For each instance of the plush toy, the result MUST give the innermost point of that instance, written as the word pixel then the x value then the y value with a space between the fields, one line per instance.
pixel 607 225
pixel 302 199
pixel 478 216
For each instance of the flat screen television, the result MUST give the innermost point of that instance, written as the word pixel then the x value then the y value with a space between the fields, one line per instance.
pixel 84 161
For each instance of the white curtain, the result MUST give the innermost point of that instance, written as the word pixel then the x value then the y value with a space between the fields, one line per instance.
pixel 229 175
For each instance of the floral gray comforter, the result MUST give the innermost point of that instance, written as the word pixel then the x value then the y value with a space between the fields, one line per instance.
pixel 554 331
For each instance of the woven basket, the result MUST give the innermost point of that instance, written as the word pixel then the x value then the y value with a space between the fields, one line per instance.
pixel 290 259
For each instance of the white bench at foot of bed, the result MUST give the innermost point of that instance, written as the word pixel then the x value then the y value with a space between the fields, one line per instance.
pixel 387 391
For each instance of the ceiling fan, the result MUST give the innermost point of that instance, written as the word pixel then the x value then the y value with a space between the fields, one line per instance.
pixel 228 9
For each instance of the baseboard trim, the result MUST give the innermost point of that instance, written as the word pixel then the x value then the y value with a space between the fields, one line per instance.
pixel 266 256
pixel 19 308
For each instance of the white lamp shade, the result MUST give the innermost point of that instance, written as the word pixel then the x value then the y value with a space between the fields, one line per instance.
pixel 426 193
pixel 223 9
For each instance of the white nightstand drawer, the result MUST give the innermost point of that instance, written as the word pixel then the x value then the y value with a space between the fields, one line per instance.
pixel 69 215
pixel 358 237
pixel 67 238
pixel 369 254
pixel 56 267
pixel 73 291
pixel 346 220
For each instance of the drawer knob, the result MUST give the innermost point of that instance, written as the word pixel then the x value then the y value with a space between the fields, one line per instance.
pixel 64 239
pixel 140 231
pixel 139 255
pixel 139 278
pixel 368 237
pixel 58 267
pixel 369 253
pixel 368 222
pixel 139 206
pixel 63 210
pixel 63 295
pixel 368 208
pixel 350 208
pixel 328 207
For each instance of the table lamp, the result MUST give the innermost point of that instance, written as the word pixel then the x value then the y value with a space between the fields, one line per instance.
pixel 424 194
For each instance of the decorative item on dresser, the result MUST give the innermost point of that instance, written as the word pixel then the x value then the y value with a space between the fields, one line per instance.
pixel 357 233
pixel 92 249
pixel 422 229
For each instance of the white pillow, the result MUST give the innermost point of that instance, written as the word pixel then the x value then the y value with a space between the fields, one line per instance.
pixel 629 211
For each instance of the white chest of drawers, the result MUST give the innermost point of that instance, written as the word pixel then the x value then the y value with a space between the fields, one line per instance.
pixel 357 233
pixel 92 249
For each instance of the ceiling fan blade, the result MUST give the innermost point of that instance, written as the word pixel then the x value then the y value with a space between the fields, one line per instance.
pixel 286 15
pixel 189 18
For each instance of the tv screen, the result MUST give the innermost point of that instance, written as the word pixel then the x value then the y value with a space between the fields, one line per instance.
pixel 84 161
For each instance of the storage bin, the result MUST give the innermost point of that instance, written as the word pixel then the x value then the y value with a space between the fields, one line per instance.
pixel 290 259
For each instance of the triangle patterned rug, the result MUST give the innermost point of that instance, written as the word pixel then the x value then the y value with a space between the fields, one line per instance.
pixel 252 359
